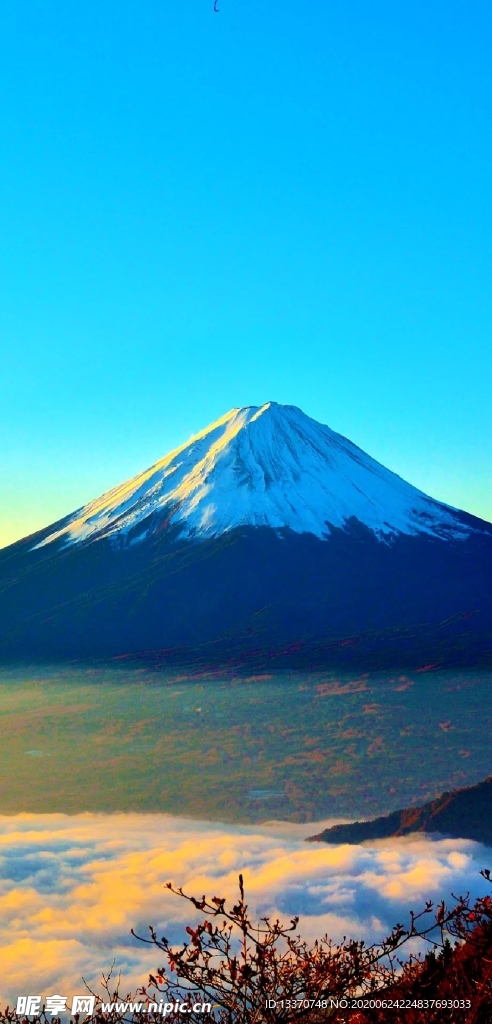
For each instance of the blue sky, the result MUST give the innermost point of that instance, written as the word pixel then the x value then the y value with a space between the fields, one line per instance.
pixel 282 202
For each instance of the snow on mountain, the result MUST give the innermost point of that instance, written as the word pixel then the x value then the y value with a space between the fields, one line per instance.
pixel 268 465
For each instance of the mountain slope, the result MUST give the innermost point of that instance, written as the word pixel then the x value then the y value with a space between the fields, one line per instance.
pixel 460 814
pixel 267 465
pixel 267 539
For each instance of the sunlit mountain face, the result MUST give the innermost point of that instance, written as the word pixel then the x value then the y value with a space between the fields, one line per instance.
pixel 267 537
pixel 268 466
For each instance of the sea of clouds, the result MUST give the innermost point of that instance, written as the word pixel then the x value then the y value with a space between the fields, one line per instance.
pixel 72 887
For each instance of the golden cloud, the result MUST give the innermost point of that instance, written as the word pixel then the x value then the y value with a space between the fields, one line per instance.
pixel 71 888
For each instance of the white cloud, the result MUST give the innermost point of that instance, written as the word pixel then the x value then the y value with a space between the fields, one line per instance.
pixel 71 888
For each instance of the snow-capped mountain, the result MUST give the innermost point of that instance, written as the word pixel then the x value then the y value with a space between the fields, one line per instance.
pixel 267 539
pixel 268 465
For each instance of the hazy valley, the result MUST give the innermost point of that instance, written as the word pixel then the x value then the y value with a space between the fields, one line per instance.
pixel 291 745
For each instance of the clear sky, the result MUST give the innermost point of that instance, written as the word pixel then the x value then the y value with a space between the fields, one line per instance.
pixel 284 201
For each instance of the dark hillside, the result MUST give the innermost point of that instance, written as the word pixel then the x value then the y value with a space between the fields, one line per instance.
pixel 253 594
pixel 461 814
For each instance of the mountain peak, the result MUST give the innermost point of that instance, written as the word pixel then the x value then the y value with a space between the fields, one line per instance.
pixel 270 466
